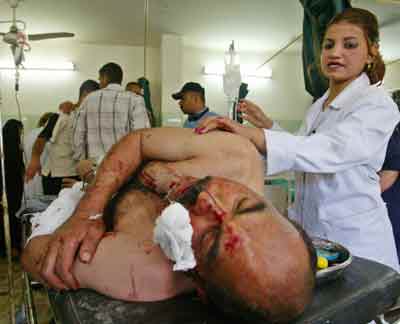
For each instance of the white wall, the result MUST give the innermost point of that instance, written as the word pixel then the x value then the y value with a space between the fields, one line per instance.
pixel 283 97
pixel 392 76
pixel 43 91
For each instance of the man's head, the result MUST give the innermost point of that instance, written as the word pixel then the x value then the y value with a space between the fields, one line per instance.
pixel 110 73
pixel 251 261
pixel 87 87
pixel 191 98
pixel 134 87
pixel 66 107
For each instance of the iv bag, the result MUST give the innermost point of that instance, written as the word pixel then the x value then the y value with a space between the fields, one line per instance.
pixel 232 77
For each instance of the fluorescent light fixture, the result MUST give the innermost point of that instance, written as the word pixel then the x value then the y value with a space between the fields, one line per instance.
pixel 40 66
pixel 246 71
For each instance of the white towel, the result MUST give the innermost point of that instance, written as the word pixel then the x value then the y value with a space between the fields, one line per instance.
pixel 173 232
pixel 58 211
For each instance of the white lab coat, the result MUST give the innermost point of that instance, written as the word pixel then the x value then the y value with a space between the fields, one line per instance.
pixel 336 156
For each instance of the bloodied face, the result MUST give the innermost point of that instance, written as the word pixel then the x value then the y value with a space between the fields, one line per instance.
pixel 245 248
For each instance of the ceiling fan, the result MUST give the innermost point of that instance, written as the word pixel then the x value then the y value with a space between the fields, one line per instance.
pixel 18 39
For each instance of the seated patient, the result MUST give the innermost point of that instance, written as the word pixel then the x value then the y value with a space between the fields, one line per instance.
pixel 251 261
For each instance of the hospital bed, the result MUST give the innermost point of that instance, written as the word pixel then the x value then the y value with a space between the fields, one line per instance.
pixel 364 290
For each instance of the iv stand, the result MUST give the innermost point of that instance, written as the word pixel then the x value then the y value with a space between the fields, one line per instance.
pixel 7 234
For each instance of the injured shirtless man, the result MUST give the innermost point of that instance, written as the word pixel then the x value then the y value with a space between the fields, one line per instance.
pixel 250 260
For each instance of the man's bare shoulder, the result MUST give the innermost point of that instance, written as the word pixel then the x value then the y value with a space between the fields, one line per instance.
pixel 217 139
pixel 227 143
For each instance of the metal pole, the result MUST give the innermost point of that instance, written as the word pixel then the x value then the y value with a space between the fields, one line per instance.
pixel 294 40
pixel 29 306
pixel 393 62
pixel 7 235
pixel 146 31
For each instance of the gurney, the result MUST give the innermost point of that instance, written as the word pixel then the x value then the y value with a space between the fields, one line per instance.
pixel 364 290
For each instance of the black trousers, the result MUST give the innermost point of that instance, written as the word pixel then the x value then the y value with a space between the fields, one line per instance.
pixel 53 185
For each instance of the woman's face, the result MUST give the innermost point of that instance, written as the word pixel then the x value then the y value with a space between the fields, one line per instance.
pixel 344 53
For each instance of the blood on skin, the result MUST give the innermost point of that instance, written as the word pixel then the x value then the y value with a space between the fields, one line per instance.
pixel 148 180
pixel 232 242
pixel 219 216
pixel 183 189
pixel 132 291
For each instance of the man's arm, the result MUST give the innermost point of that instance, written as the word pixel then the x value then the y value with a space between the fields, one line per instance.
pixel 85 228
pixel 38 148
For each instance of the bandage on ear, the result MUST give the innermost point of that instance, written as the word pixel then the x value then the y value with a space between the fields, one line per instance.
pixel 173 232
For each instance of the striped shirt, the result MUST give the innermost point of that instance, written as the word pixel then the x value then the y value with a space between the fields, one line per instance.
pixel 103 118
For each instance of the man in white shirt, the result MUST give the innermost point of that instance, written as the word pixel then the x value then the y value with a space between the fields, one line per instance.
pixel 107 115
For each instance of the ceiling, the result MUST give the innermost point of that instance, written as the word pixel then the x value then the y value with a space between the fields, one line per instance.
pixel 255 25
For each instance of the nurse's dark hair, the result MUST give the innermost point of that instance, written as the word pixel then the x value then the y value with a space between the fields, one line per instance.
pixel 396 98
pixel 368 22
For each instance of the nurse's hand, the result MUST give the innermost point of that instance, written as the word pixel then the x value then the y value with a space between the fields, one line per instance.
pixel 255 135
pixel 254 114
pixel 222 123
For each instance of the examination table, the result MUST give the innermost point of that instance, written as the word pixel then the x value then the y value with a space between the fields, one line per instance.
pixel 364 290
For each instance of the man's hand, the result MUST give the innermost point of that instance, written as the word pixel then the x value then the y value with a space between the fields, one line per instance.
pixel 77 235
pixel 33 256
pixel 84 167
pixel 33 169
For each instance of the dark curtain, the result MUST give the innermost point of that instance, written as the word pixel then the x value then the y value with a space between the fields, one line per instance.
pixel 14 172
pixel 147 99
pixel 317 14
pixel 396 97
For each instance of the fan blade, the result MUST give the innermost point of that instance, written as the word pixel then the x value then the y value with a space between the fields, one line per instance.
pixel 35 37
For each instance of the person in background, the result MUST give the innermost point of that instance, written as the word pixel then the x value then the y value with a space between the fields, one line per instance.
pixel 134 87
pixel 14 178
pixel 341 145
pixel 60 171
pixel 192 102
pixel 390 180
pixel 34 187
pixel 107 115
pixel 58 133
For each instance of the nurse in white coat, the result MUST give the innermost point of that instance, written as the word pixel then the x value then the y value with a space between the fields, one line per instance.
pixel 341 145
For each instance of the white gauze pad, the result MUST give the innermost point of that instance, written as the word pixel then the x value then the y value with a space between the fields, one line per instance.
pixel 173 232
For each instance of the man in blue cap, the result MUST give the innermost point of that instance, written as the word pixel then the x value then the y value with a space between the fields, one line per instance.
pixel 192 103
